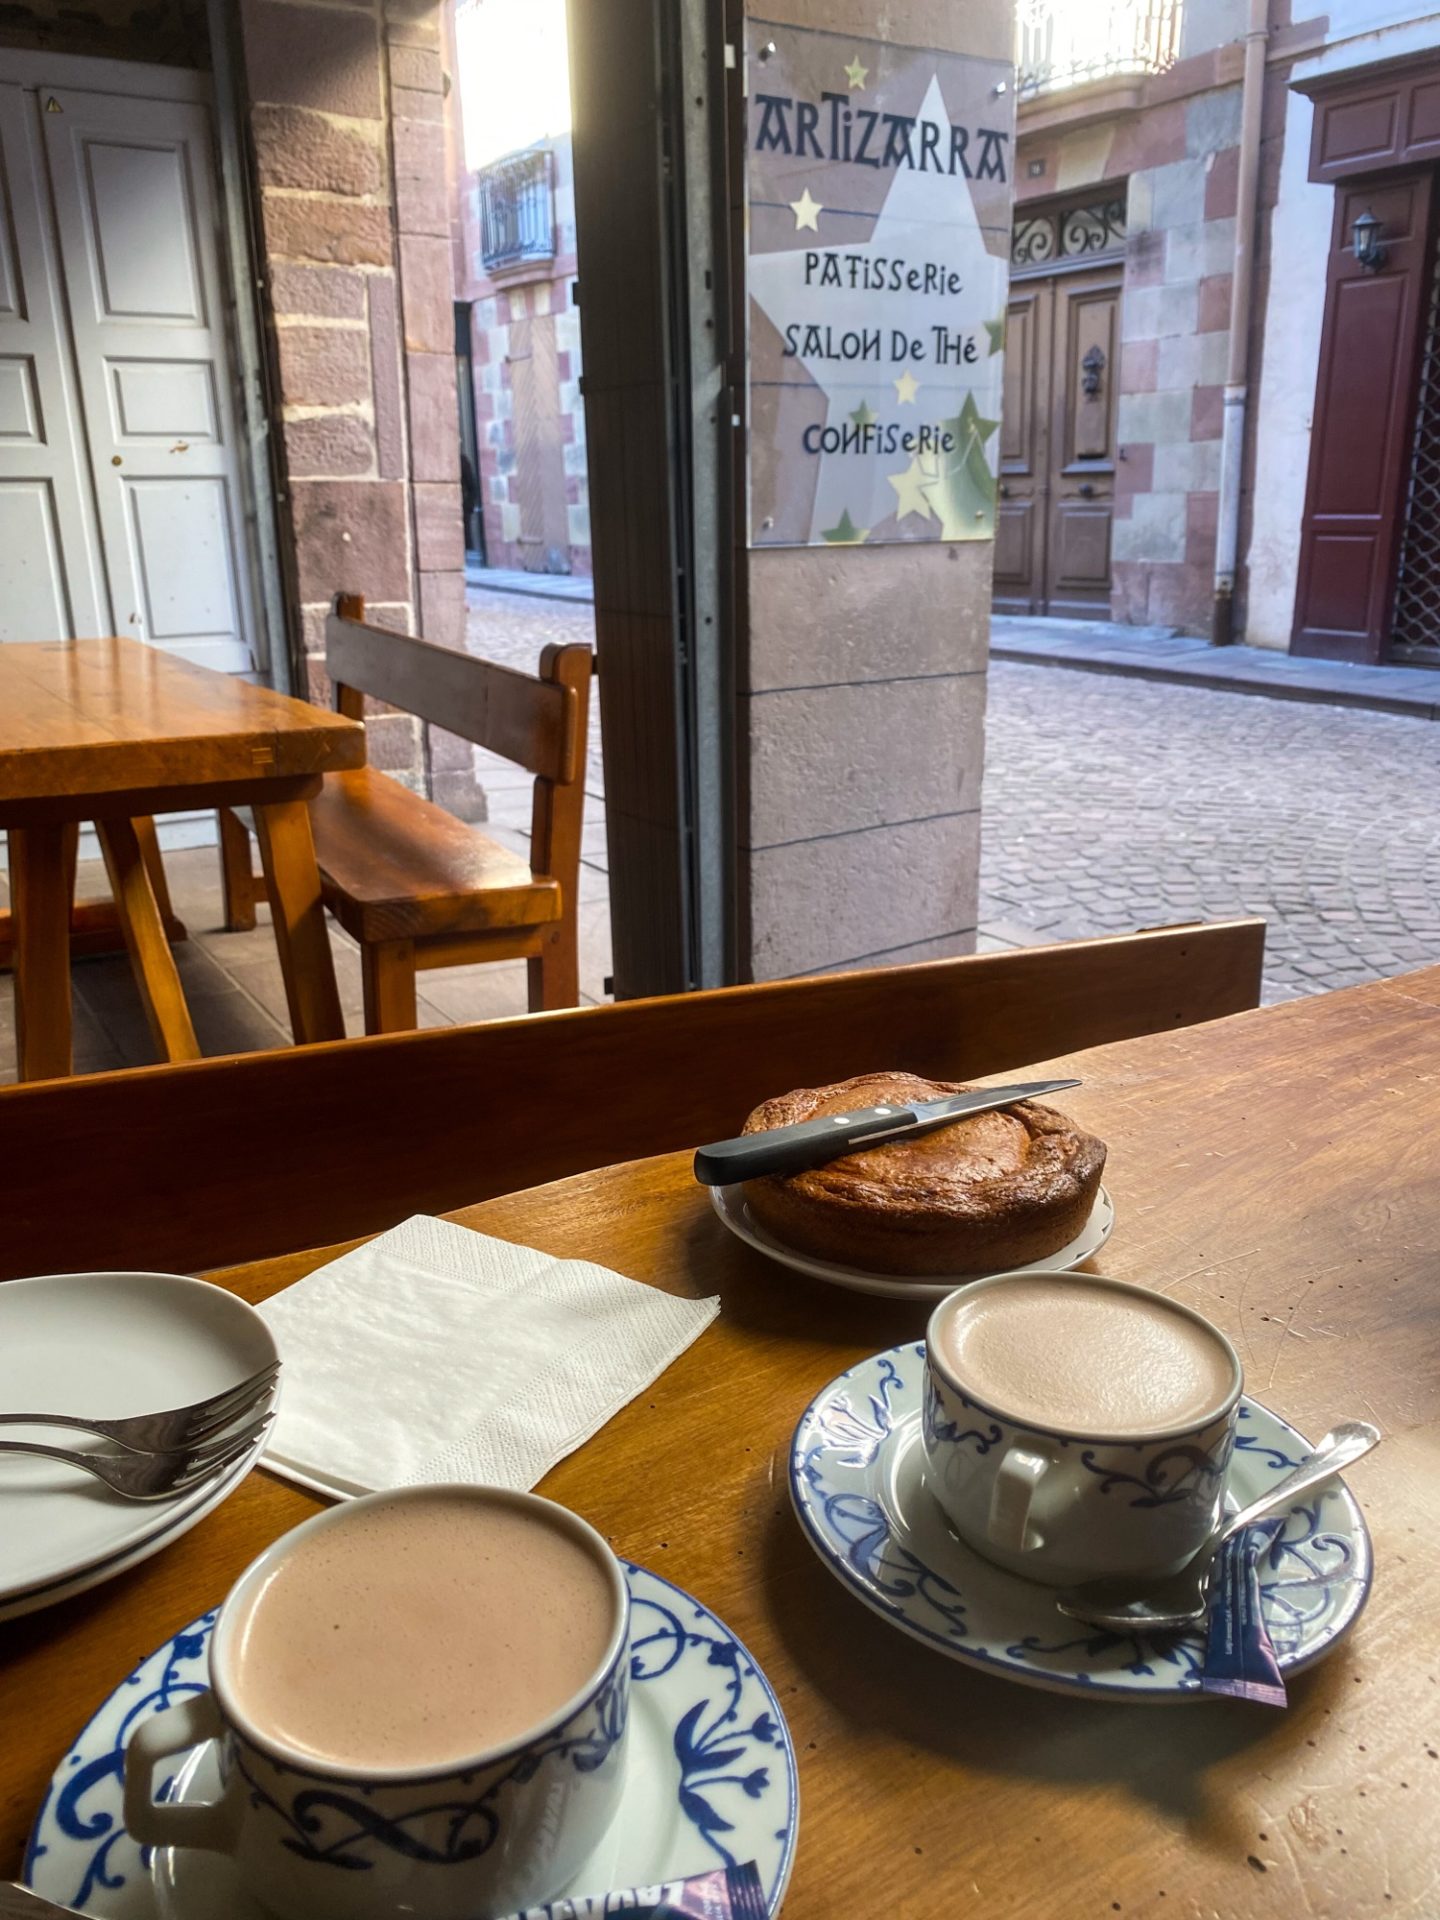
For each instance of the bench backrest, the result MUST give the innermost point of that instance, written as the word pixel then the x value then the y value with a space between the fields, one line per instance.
pixel 219 1161
pixel 538 723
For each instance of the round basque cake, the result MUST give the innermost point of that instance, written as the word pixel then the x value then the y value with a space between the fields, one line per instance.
pixel 980 1194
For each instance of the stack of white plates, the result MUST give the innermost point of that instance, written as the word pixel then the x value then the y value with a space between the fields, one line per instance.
pixel 106 1345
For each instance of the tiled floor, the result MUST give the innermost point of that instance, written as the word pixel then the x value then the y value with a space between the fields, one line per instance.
pixel 233 985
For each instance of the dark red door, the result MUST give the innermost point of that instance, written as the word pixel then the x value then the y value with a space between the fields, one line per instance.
pixel 1360 435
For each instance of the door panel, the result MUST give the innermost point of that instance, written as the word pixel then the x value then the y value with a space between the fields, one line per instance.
pixel 1024 442
pixel 1082 490
pixel 1364 403
pixel 52 582
pixel 135 211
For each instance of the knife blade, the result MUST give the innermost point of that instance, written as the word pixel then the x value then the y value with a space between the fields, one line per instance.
pixel 19 1903
pixel 750 1156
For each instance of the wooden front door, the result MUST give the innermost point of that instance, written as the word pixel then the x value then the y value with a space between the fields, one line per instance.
pixel 1057 447
pixel 1360 443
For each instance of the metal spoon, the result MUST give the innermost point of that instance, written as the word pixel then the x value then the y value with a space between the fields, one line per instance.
pixel 1181 1600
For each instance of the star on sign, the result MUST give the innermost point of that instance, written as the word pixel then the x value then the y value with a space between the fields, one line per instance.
pixel 846 534
pixel 862 416
pixel 856 74
pixel 906 388
pixel 807 212
pixel 910 495
pixel 996 331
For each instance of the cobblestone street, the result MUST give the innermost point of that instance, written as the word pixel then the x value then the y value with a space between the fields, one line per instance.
pixel 1111 804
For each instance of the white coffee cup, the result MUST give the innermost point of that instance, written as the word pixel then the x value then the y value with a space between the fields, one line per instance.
pixel 315 1839
pixel 1073 1497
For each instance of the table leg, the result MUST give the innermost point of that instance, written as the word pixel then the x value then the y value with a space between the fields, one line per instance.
pixel 287 853
pixel 42 884
pixel 151 960
pixel 155 866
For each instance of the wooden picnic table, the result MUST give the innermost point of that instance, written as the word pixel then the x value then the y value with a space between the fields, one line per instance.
pixel 114 731
pixel 1274 1169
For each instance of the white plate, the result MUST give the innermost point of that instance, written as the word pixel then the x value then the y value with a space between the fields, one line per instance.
pixel 106 1344
pixel 709 1778
pixel 729 1203
pixel 857 1482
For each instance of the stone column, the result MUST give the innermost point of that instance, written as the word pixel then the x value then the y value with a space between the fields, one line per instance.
pixel 347 126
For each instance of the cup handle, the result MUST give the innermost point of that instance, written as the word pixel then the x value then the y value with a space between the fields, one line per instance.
pixel 1015 1483
pixel 159 1823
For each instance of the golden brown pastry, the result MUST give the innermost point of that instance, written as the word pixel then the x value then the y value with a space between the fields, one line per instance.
pixel 983 1193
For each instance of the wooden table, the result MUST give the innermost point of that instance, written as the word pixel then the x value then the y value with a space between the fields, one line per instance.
pixel 115 731
pixel 1277 1170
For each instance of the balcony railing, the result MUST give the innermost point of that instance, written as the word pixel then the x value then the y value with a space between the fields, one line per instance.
pixel 1065 43
pixel 517 210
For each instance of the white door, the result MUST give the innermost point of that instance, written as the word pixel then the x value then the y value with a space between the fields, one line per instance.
pixel 52 581
pixel 135 213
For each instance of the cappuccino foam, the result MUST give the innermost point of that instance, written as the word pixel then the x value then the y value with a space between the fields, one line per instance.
pixel 1075 1356
pixel 417 1634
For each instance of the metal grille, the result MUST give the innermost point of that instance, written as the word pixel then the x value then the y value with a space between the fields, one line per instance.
pixel 517 210
pixel 1061 44
pixel 1096 227
pixel 1416 626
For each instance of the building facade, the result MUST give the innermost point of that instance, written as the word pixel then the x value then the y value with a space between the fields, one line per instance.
pixel 1143 184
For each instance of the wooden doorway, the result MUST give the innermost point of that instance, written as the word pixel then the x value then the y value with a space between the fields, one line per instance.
pixel 1057 448
pixel 1362 444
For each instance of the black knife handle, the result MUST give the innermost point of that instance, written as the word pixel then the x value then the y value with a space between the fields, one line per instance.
pixel 791 1149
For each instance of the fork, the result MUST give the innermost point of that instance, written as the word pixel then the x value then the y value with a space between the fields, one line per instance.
pixel 176 1430
pixel 150 1476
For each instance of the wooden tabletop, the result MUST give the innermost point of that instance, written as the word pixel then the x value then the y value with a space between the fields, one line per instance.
pixel 91 717
pixel 1275 1170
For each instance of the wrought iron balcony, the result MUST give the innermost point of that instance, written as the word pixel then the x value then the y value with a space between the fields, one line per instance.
pixel 517 210
pixel 1063 43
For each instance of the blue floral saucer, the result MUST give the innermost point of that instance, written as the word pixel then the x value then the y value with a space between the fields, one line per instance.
pixel 857 1482
pixel 710 1777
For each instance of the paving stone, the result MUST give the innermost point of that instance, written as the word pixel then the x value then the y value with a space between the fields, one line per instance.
pixel 1116 803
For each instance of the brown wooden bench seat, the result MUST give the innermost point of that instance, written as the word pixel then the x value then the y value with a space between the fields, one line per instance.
pixel 414 886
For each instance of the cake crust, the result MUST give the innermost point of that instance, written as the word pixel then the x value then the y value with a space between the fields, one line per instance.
pixel 980 1194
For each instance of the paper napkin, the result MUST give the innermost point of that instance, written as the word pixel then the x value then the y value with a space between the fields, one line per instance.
pixel 437 1354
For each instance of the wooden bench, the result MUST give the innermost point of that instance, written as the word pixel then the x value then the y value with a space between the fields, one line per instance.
pixel 265 1153
pixel 412 884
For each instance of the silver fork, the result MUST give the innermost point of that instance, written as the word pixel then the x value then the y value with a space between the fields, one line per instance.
pixel 150 1476
pixel 177 1429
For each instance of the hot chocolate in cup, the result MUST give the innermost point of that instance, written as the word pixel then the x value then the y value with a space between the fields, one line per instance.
pixel 1077 1427
pixel 421 1699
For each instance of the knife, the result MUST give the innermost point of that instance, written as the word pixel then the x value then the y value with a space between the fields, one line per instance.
pixel 19 1903
pixel 790 1149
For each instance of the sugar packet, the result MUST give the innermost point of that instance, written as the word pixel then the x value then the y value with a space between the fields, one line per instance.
pixel 728 1893
pixel 1239 1654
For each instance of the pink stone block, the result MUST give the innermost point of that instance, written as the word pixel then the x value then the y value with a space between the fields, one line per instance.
pixel 434 416
pixel 321 57
pixel 323 366
pixel 427 293
pixel 386 389
pixel 1207 409
pixel 439 531
pixel 1139 366
pixel 295 147
pixel 1213 314
pixel 421 201
pixel 331 293
pixel 347 232
pixel 351 536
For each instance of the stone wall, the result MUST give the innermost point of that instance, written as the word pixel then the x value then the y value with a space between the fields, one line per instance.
pixel 540 292
pixel 1179 153
pixel 347 125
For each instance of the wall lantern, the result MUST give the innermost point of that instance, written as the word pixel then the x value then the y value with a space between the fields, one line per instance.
pixel 1365 242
